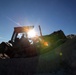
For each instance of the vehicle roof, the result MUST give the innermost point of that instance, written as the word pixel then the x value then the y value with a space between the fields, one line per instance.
pixel 23 29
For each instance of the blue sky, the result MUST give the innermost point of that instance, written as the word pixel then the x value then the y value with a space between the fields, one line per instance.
pixel 51 15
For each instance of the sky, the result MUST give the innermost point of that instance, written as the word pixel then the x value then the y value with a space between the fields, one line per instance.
pixel 51 15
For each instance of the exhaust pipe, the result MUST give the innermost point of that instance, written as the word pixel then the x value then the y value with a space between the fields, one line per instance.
pixel 40 31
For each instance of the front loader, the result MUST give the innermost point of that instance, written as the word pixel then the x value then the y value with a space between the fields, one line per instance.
pixel 20 45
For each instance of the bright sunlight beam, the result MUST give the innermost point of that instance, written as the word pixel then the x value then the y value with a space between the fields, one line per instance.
pixel 32 33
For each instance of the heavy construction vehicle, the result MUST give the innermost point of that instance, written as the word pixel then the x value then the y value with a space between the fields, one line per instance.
pixel 20 45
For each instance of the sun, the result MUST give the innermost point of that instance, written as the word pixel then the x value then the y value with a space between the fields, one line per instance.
pixel 31 33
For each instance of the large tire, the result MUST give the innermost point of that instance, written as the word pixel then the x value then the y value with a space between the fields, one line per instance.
pixel 3 47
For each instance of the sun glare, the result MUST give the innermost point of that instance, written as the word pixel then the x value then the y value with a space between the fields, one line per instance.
pixel 32 33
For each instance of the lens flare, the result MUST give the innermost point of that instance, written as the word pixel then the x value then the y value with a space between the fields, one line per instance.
pixel 61 54
pixel 46 43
